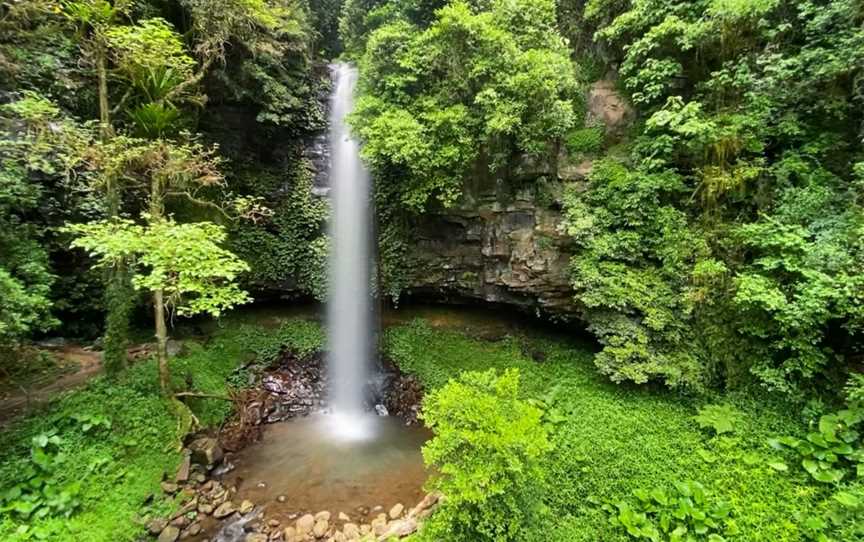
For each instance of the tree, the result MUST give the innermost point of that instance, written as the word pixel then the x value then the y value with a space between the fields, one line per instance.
pixel 467 94
pixel 487 454
pixel 182 266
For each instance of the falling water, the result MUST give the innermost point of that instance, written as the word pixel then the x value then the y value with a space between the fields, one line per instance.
pixel 349 309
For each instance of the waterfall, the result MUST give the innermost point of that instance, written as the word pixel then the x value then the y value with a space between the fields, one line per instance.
pixel 349 309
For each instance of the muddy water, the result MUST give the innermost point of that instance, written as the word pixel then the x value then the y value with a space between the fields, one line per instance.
pixel 299 461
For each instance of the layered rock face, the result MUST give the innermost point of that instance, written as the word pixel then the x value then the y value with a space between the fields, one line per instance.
pixel 503 241
pixel 494 247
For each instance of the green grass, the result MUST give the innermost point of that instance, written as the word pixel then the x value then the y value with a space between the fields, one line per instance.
pixel 615 439
pixel 612 439
pixel 120 467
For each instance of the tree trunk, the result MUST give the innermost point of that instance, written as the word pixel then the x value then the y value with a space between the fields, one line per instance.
pixel 161 341
pixel 105 129
pixel 119 294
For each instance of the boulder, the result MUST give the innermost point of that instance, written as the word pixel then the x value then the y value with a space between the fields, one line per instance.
pixel 321 527
pixel 396 511
pixel 246 506
pixel 399 529
pixel 206 451
pixel 225 509
pixel 155 526
pixel 169 534
pixel 305 524
pixel 169 487
pixel 183 469
pixel 325 515
pixel 351 531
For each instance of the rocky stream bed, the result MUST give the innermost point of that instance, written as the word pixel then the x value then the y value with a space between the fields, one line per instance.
pixel 218 479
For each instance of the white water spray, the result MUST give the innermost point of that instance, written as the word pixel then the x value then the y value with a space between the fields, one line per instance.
pixel 349 317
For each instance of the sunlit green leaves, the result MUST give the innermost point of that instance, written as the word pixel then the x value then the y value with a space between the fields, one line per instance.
pixel 186 261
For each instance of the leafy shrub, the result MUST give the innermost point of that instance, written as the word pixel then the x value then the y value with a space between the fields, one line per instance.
pixel 585 140
pixel 487 454
pixel 855 391
pixel 38 493
pixel 829 453
pixel 685 514
pixel 720 418
pixel 843 518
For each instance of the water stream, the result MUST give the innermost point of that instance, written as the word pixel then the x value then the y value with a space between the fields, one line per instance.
pixel 349 309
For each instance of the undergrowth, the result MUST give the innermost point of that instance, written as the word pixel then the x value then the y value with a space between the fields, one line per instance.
pixel 610 440
pixel 100 452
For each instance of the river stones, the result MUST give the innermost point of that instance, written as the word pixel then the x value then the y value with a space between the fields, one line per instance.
pixel 351 531
pixel 305 524
pixel 169 534
pixel 325 515
pixel 225 509
pixel 246 506
pixel 206 451
pixel 321 527
pixel 396 511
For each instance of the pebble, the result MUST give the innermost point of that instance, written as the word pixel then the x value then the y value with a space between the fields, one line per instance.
pixel 246 506
pixel 321 527
pixel 225 509
pixel 305 524
pixel 169 534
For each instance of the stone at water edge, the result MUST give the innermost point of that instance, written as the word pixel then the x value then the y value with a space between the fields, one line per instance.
pixel 396 511
pixel 206 451
pixel 379 525
pixel 256 537
pixel 321 527
pixel 169 487
pixel 225 509
pixel 157 525
pixel 351 531
pixel 246 506
pixel 305 524
pixel 184 469
pixel 169 534
pixel 344 517
pixel 205 509
pixel 400 528
pixel 325 515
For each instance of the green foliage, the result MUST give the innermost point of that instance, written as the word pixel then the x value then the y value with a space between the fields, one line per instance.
pixel 721 418
pixel 486 454
pixel 834 450
pixel 685 514
pixel 466 92
pixel 148 47
pixel 185 261
pixel 291 246
pixel 38 493
pixel 265 46
pixel 630 272
pixel 610 439
pixel 585 140
pixel 745 243
pixel 114 440
pixel 842 519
